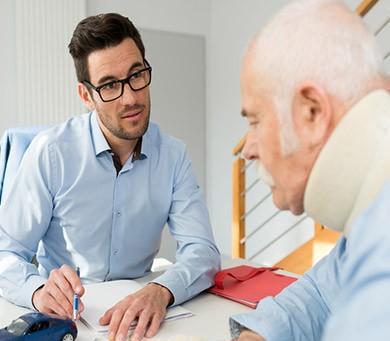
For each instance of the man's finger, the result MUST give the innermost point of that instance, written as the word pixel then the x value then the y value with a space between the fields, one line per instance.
pixel 115 321
pixel 143 322
pixel 59 297
pixel 74 280
pixel 81 306
pixel 105 319
pixel 129 316
pixel 50 305
pixel 154 325
pixel 62 283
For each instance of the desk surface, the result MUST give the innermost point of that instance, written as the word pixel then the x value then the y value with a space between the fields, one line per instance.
pixel 210 320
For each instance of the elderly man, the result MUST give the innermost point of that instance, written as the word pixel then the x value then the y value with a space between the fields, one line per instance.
pixel 314 94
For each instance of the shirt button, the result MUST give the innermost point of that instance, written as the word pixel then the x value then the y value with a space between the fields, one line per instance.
pixel 118 213
pixel 115 252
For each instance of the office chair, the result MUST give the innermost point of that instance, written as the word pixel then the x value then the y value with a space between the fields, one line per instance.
pixel 13 145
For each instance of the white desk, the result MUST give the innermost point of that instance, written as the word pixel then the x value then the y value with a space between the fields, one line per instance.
pixel 210 321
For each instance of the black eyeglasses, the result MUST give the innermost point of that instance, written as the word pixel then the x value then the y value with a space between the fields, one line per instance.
pixel 111 91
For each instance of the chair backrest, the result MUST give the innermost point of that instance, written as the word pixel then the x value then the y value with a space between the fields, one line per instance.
pixel 13 145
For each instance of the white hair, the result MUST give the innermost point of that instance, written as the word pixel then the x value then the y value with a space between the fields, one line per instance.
pixel 319 41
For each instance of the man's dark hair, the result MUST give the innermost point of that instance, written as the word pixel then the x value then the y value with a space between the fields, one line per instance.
pixel 100 32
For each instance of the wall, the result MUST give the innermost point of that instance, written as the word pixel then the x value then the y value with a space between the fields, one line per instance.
pixel 191 17
pixel 38 82
pixel 8 89
pixel 231 27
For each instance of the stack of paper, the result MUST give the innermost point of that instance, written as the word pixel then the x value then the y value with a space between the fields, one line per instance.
pixel 99 297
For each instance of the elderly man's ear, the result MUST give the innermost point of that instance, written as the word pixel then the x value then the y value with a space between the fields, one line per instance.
pixel 312 115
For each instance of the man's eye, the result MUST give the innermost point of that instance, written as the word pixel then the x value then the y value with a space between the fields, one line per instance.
pixel 136 75
pixel 110 86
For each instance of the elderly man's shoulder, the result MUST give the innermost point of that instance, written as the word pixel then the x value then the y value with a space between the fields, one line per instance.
pixel 371 231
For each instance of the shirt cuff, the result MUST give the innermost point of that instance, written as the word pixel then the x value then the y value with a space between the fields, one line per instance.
pixel 265 321
pixel 27 290
pixel 174 284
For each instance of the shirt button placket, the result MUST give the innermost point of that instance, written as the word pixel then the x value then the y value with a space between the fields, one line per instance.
pixel 116 251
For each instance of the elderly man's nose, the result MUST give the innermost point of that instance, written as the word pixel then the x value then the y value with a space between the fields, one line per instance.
pixel 249 151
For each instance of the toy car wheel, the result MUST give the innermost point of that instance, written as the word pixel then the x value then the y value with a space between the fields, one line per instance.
pixel 67 337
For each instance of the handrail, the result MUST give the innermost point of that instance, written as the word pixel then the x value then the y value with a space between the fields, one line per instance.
pixel 238 224
pixel 239 147
pixel 363 8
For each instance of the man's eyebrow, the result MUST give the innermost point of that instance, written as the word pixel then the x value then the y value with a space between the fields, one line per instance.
pixel 106 79
pixel 246 114
pixel 136 64
pixel 109 78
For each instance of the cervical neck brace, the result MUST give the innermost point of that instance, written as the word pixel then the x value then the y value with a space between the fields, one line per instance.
pixel 353 165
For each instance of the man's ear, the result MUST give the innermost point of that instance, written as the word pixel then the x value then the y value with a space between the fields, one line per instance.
pixel 85 96
pixel 312 114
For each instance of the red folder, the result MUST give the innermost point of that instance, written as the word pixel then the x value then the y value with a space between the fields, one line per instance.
pixel 248 285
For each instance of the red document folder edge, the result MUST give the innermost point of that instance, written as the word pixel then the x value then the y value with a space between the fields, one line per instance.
pixel 248 285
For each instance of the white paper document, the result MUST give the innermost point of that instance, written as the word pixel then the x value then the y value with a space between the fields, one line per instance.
pixel 99 297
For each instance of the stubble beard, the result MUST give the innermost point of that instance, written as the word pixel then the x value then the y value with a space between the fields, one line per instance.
pixel 119 131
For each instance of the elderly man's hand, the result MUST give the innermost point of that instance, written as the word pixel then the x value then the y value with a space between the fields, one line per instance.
pixel 249 336
pixel 147 306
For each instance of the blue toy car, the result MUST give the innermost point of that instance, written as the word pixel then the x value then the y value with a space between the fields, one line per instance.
pixel 39 327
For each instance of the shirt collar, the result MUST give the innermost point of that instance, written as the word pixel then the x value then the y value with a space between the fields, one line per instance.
pixel 99 141
pixel 141 150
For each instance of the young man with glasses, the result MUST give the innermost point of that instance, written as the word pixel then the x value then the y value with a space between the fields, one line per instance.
pixel 96 192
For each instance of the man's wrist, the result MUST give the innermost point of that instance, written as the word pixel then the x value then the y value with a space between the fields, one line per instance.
pixel 32 296
pixel 166 293
pixel 248 335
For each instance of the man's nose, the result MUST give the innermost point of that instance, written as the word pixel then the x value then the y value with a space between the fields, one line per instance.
pixel 129 95
pixel 249 152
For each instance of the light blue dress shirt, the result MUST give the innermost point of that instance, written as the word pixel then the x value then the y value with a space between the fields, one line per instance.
pixel 362 311
pixel 69 206
pixel 344 297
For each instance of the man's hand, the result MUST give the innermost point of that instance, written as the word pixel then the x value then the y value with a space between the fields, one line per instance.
pixel 56 296
pixel 247 335
pixel 148 305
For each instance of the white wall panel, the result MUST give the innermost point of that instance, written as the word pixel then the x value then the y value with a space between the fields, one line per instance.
pixel 45 76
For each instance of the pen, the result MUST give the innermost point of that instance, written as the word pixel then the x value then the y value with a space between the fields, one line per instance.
pixel 76 299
